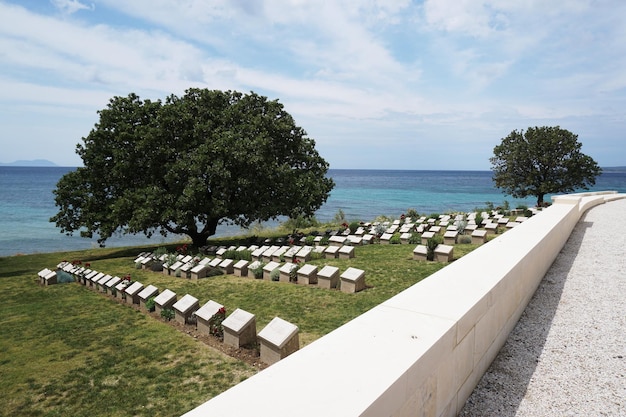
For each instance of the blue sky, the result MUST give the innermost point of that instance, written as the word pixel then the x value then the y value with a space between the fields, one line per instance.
pixel 378 84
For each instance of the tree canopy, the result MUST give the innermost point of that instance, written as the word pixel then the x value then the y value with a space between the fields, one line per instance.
pixel 542 160
pixel 187 164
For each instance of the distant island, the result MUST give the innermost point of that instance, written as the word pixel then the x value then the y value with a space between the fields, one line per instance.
pixel 30 163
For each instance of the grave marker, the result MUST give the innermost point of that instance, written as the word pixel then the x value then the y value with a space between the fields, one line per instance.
pixel 278 340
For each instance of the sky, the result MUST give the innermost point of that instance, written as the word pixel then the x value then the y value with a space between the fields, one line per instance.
pixel 378 84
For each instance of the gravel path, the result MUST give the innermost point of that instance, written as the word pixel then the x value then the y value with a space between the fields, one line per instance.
pixel 567 354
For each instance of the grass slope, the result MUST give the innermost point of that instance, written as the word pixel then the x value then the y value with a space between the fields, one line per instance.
pixel 66 350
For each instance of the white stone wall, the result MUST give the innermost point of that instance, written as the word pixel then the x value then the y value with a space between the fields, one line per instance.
pixel 422 352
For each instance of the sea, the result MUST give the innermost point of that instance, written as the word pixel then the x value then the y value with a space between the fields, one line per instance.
pixel 27 203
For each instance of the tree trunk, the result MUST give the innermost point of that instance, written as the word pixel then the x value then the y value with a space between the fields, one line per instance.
pixel 199 239
pixel 540 200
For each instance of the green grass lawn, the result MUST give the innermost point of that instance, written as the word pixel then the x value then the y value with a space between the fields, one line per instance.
pixel 69 351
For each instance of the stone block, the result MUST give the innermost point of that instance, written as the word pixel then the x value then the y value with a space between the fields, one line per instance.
pixel 450 237
pixel 352 280
pixel 331 252
pixel 257 254
pixel 185 270
pixel 175 267
pixel 110 284
pixel 278 340
pixel 336 240
pixel 404 237
pixel 41 274
pixel 50 278
pixel 367 239
pixel 100 284
pixel 479 236
pixel 307 274
pixel 328 277
pixel 427 235
pixel 355 240
pixel 444 253
pixel 204 315
pixel 214 263
pixel 120 289
pixel 164 300
pixel 491 228
pixel 132 292
pixel 146 293
pixel 279 253
pixel 227 266
pixel 268 268
pixel 346 252
pixel 185 307
pixel 267 255
pixel 239 329
pixel 304 254
pixel 385 238
pixel 240 269
pixel 285 271
pixel 420 253
pixel 199 271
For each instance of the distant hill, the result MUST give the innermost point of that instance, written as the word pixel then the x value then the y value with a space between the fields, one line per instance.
pixel 614 169
pixel 30 163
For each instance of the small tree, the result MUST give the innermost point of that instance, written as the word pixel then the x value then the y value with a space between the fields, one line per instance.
pixel 542 160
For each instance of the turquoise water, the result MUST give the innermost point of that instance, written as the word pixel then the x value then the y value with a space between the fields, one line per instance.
pixel 26 202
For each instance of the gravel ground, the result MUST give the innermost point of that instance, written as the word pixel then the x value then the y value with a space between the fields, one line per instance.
pixel 567 354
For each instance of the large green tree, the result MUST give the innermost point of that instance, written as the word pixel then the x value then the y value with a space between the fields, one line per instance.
pixel 542 160
pixel 187 164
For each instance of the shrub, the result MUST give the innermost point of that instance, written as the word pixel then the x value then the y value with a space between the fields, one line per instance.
pixel 415 238
pixel 413 214
pixel 168 313
pixel 300 222
pixel 478 220
pixel 157 266
pixel 275 275
pixel 465 239
pixel 324 241
pixel 150 304
pixel 431 245
pixel 238 255
pixel 353 226
pixel 214 272
pixel 309 240
pixel 395 239
pixel 161 250
pixel 258 271
pixel 215 323
pixel 137 265
pixel 293 272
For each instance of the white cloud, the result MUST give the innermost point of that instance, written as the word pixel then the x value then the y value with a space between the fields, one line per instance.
pixel 70 6
pixel 363 68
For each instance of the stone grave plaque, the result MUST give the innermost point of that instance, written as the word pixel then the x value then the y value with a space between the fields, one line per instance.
pixel 204 315
pixel 164 300
pixel 149 291
pixel 185 307
pixel 241 268
pixel 239 328
pixel 420 253
pixel 132 292
pixel 307 274
pixel 352 280
pixel 328 277
pixel 278 340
